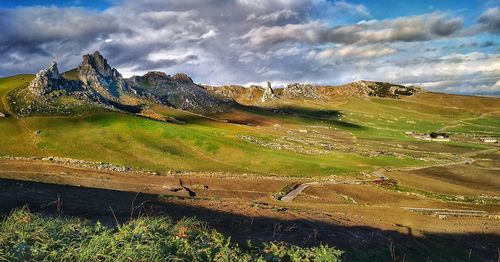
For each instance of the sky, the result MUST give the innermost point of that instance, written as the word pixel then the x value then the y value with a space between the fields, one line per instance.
pixel 447 46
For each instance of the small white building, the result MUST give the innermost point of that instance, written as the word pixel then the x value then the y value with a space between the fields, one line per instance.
pixel 488 140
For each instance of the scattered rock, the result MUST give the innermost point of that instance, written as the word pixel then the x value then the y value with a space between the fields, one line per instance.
pixel 297 90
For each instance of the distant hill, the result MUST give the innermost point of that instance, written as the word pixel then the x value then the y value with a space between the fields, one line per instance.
pixel 296 91
pixel 94 85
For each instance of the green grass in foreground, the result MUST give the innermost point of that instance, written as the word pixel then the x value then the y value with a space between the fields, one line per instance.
pixel 25 236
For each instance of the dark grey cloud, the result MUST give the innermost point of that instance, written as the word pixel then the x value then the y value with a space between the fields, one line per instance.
pixel 32 36
pixel 37 25
pixel 489 20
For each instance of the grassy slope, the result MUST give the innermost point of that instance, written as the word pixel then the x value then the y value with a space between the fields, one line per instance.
pixel 8 84
pixel 205 145
pixel 25 236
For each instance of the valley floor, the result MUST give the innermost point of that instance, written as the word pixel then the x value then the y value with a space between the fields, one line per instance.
pixel 364 216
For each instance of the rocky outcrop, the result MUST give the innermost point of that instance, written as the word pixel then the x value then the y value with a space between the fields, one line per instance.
pixel 46 81
pixel 268 93
pixel 384 89
pixel 178 91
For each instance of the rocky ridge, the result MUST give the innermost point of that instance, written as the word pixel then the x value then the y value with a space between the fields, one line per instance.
pixel 298 91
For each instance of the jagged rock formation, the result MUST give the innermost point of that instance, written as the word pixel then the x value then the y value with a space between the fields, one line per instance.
pixel 268 93
pixel 96 83
pixel 96 74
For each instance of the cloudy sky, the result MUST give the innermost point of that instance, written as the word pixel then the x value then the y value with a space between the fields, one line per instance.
pixel 446 45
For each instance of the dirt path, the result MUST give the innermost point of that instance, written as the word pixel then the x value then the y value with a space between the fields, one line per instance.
pixel 290 196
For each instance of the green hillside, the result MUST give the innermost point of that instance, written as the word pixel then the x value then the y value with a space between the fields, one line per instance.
pixel 315 139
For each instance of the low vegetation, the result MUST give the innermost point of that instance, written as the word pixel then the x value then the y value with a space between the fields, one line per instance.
pixel 26 236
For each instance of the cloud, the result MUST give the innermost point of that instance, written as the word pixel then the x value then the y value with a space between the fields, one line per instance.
pixel 489 20
pixel 355 51
pixel 343 6
pixel 404 29
pixel 39 25
pixel 243 41
pixel 281 16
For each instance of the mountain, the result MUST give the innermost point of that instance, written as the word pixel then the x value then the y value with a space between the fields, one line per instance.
pixel 297 91
pixel 96 84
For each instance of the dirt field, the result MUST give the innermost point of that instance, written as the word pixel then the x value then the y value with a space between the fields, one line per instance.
pixel 352 217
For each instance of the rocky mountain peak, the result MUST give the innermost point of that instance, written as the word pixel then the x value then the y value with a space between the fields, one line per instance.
pixel 97 74
pixel 97 62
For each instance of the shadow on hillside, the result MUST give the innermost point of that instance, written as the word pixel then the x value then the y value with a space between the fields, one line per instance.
pixel 327 116
pixel 360 243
